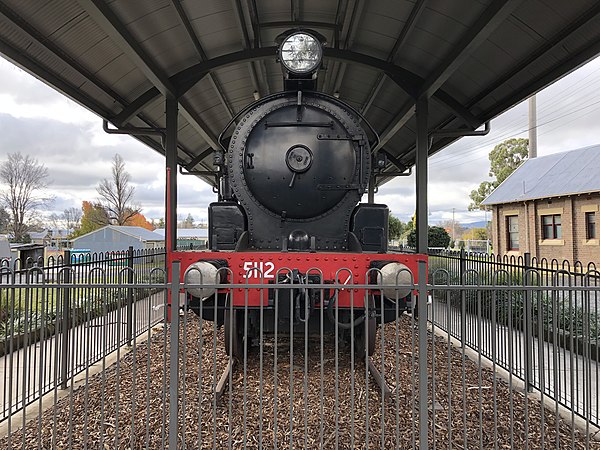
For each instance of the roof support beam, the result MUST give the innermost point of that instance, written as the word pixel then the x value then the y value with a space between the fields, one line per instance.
pixel 583 20
pixel 134 108
pixel 183 18
pixel 247 44
pixel 187 78
pixel 485 25
pixel 405 114
pixel 350 25
pixel 198 159
pixel 576 58
pixel 299 24
pixel 407 81
pixel 406 29
pixel 491 18
pixel 255 24
pixel 101 13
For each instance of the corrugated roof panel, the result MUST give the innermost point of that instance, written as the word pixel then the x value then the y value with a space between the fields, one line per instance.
pixel 130 12
pixel 573 172
pixel 138 232
pixel 123 75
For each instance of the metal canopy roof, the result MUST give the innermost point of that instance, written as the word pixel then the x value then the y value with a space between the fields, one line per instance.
pixel 475 59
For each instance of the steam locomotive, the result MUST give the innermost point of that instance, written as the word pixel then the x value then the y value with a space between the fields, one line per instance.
pixel 293 169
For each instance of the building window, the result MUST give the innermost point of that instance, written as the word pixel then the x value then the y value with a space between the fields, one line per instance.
pixel 590 225
pixel 551 228
pixel 512 227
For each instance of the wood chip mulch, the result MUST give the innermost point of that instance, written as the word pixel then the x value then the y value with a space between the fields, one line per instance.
pixel 128 407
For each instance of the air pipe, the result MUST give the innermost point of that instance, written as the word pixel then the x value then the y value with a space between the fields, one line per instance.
pixel 136 131
pixel 461 133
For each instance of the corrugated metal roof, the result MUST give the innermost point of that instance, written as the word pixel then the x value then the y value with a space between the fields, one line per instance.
pixel 475 59
pixel 190 233
pixel 136 232
pixel 559 174
pixel 139 232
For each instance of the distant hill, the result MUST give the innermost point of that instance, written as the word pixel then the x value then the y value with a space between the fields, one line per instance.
pixel 480 224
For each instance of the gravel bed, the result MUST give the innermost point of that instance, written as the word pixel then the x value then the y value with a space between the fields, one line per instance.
pixel 127 408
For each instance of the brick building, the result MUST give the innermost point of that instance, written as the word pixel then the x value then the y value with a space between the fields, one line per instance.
pixel 549 208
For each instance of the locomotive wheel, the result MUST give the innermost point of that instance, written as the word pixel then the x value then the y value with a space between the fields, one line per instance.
pixel 360 334
pixel 234 341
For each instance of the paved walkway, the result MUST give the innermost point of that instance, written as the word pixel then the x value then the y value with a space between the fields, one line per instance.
pixel 36 369
pixel 567 377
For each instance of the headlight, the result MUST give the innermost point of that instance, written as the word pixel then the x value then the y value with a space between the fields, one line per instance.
pixel 300 53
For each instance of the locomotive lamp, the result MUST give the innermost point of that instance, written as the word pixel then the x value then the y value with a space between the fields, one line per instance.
pixel 301 53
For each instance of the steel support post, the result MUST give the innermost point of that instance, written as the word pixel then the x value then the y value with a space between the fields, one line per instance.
pixel 65 321
pixel 422 113
pixel 174 360
pixel 422 248
pixel 171 192
pixel 528 325
pixel 463 298
pixel 371 189
pixel 171 183
pixel 129 295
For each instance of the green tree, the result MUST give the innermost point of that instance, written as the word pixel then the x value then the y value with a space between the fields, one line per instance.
pixel 94 217
pixel 395 227
pixel 436 236
pixel 478 234
pixel 504 159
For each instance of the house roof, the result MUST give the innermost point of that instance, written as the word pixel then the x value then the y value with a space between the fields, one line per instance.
pixel 53 233
pixel 559 174
pixel 474 59
pixel 136 232
pixel 187 233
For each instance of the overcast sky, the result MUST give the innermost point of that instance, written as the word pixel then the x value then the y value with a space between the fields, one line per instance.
pixel 37 121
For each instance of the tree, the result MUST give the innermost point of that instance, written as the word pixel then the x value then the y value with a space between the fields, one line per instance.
pixel 477 234
pixel 140 221
pixel 72 218
pixel 69 219
pixel 24 177
pixel 504 159
pixel 94 217
pixel 395 227
pixel 455 229
pixel 117 195
pixel 188 222
pixel 436 236
pixel 4 220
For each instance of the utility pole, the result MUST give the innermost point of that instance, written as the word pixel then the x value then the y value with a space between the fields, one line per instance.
pixel 453 235
pixel 532 127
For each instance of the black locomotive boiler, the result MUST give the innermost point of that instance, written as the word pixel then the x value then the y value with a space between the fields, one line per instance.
pixel 293 169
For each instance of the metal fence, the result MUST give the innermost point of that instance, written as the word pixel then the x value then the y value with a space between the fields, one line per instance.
pixel 537 319
pixel 309 388
pixel 60 316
